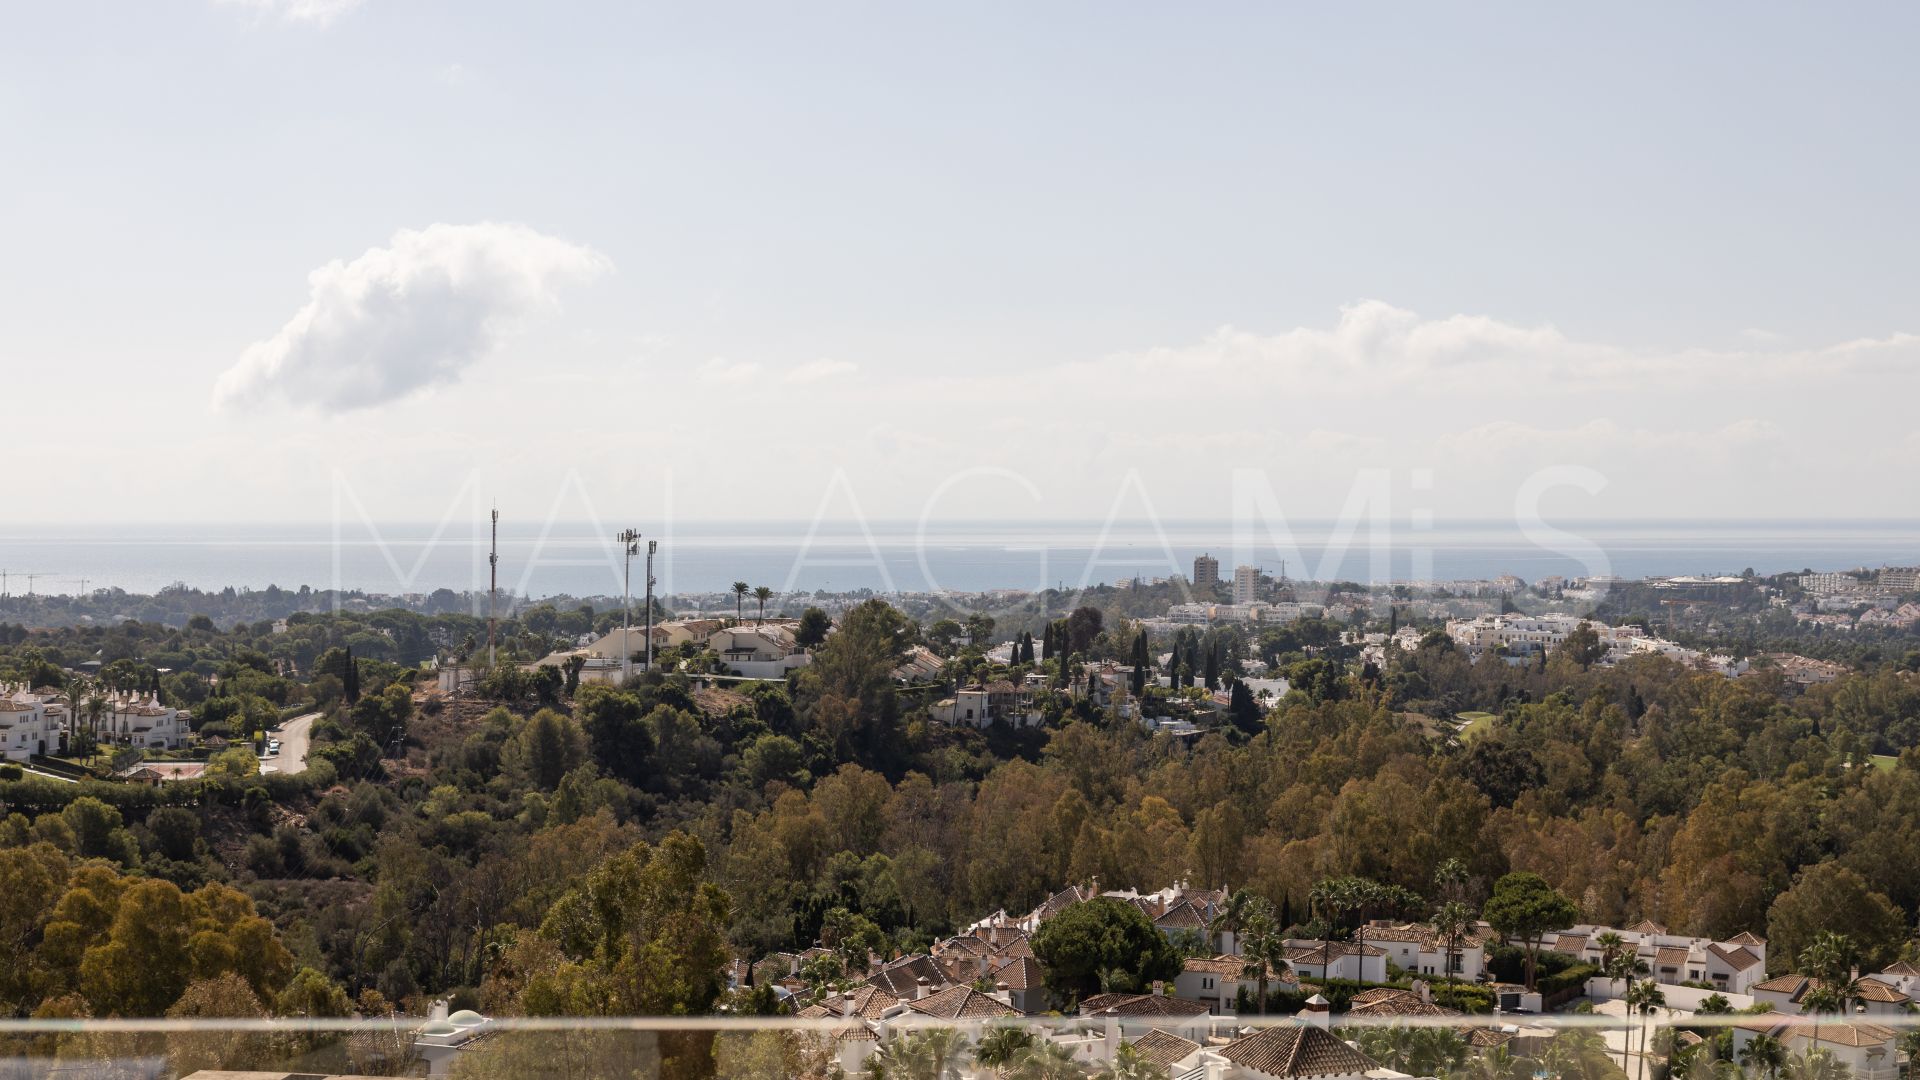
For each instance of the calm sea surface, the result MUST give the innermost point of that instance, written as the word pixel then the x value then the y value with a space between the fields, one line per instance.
pixel 892 556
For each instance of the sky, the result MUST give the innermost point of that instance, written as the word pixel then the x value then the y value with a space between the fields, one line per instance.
pixel 262 259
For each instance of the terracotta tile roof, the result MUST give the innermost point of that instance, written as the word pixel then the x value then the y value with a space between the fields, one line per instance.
pixel 869 1002
pixel 966 943
pixel 1646 926
pixel 1182 916
pixel 1163 1048
pixel 1059 902
pixel 1415 934
pixel 1901 968
pixel 1845 1034
pixel 1022 973
pixel 1876 991
pixel 1671 956
pixel 1488 1038
pixel 1791 985
pixel 1574 944
pixel 1389 1001
pixel 1739 959
pixel 1141 1005
pixel 1317 954
pixel 962 1003
pixel 1021 947
pixel 1213 965
pixel 1296 1051
pixel 1746 937
pixel 902 977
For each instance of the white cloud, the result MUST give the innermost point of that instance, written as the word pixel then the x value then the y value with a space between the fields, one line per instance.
pixel 816 370
pixel 312 12
pixel 413 314
pixel 719 369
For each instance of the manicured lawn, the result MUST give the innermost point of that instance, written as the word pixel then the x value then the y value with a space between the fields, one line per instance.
pixel 1885 761
pixel 1474 724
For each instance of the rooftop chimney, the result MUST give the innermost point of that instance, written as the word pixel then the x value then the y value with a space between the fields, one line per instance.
pixel 920 988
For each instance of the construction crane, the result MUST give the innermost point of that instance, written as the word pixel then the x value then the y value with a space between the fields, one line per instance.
pixel 30 580
pixel 83 594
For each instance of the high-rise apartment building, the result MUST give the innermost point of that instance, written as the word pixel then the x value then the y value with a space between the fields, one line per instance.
pixel 1206 572
pixel 1246 584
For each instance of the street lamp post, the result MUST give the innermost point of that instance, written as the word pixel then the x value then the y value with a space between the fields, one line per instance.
pixel 630 544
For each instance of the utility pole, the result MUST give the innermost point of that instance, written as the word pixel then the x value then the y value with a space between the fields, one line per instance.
pixel 652 546
pixel 83 589
pixel 30 578
pixel 629 545
pixel 493 582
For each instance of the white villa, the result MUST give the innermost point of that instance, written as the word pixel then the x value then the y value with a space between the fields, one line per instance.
pixel 1733 966
pixel 766 651
pixel 1415 947
pixel 29 725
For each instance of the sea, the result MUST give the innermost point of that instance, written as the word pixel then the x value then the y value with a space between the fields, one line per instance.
pixel 578 560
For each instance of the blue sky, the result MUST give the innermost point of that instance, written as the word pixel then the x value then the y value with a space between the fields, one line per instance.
pixel 621 243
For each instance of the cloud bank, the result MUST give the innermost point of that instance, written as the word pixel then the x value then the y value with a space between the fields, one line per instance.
pixel 413 314
pixel 313 12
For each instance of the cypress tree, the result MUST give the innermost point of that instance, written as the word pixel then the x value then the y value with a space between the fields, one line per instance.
pixel 1213 669
pixel 1046 643
pixel 350 679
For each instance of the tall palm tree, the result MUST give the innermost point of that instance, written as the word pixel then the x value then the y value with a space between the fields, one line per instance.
pixel 1260 946
pixel 1450 878
pixel 1643 997
pixel 1834 960
pixel 740 589
pixel 1451 924
pixel 97 706
pixel 1231 915
pixel 763 594
pixel 1000 1046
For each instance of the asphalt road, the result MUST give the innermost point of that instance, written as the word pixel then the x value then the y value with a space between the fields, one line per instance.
pixel 292 757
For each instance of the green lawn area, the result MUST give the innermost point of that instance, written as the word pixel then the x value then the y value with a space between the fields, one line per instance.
pixel 1885 761
pixel 1473 724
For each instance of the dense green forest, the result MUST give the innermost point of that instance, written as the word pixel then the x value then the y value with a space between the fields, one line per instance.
pixel 440 847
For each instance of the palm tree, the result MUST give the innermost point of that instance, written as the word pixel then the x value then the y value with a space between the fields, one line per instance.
pixel 1816 1065
pixel 96 707
pixel 1229 918
pixel 1418 1051
pixel 1000 1046
pixel 1765 1055
pixel 1496 1064
pixel 1578 1054
pixel 1129 1064
pixel 1261 946
pixel 740 589
pixel 1644 997
pixel 763 594
pixel 924 1054
pixel 1833 959
pixel 1451 924
pixel 1046 1061
pixel 1450 878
